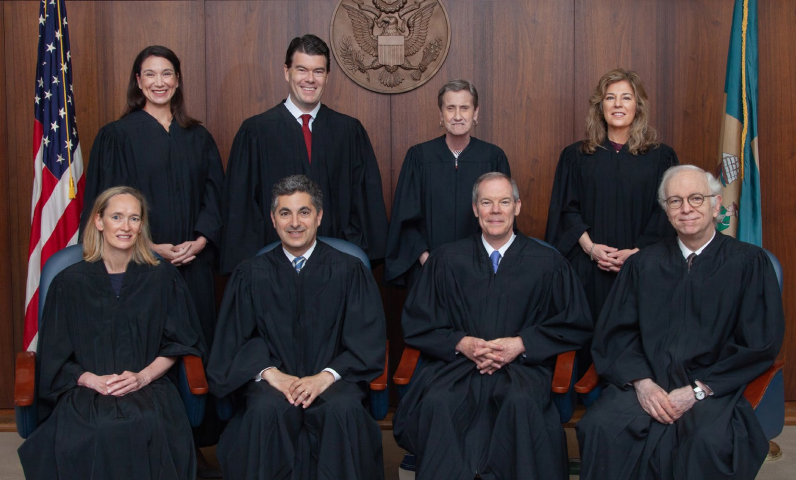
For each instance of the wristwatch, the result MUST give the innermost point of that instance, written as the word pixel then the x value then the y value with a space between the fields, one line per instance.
pixel 699 394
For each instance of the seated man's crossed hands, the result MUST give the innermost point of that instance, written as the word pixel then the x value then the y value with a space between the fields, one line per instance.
pixel 490 355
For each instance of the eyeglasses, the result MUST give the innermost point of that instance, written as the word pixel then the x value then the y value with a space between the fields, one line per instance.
pixel 695 200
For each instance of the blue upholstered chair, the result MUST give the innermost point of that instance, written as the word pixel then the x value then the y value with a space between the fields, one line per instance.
pixel 191 378
pixel 766 393
pixel 378 400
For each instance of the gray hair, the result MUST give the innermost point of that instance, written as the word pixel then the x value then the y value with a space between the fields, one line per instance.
pixel 457 86
pixel 515 192
pixel 297 183
pixel 713 184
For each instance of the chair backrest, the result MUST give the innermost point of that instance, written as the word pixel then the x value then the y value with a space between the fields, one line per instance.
pixel 57 262
pixel 777 267
pixel 337 243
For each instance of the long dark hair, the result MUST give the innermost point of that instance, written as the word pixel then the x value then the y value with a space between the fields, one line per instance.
pixel 135 97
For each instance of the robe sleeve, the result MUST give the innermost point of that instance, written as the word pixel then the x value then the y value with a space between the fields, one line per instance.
pixel 244 219
pixel 239 352
pixel 567 324
pixel 104 170
pixel 758 332
pixel 368 223
pixel 502 163
pixel 565 224
pixel 364 330
pixel 182 332
pixel 57 366
pixel 617 348
pixel 425 321
pixel 658 225
pixel 407 237
pixel 208 222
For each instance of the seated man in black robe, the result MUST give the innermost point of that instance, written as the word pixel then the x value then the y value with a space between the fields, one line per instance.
pixel 303 136
pixel 690 321
pixel 509 305
pixel 300 334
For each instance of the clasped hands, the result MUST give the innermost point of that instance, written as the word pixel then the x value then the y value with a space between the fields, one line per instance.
pixel 664 407
pixel 116 385
pixel 491 355
pixel 298 391
pixel 609 259
pixel 181 254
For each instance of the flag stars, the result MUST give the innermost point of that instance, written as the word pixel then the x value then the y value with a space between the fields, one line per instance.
pixel 58 34
pixel 55 81
pixel 60 159
pixel 68 52
pixel 74 132
pixel 54 126
pixel 69 99
pixel 62 113
pixel 68 145
pixel 64 21
pixel 46 142
pixel 47 95
pixel 41 20
pixel 51 47
pixel 64 67
pixel 38 99
pixel 41 83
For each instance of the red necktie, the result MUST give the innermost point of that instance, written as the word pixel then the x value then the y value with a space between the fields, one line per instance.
pixel 305 128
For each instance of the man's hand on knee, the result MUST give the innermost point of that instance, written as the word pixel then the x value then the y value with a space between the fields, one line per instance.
pixel 655 401
pixel 682 400
pixel 305 390
pixel 280 381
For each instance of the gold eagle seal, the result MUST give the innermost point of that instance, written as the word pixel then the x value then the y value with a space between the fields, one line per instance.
pixel 390 47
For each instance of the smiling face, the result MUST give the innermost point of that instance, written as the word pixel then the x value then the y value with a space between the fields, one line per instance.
pixel 306 78
pixel 458 113
pixel 619 110
pixel 694 225
pixel 119 224
pixel 296 221
pixel 158 81
pixel 496 209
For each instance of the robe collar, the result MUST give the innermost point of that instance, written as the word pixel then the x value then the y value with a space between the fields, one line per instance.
pixel 297 113
pixel 306 254
pixel 445 153
pixel 686 252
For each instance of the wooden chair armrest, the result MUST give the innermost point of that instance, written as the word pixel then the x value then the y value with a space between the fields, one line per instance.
pixel 562 376
pixel 380 383
pixel 588 381
pixel 406 368
pixel 25 381
pixel 195 374
pixel 757 388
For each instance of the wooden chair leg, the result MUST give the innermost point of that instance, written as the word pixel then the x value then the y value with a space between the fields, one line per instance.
pixel 774 452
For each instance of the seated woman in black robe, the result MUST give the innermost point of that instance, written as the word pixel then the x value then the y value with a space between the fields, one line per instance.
pixel 113 325
pixel 603 207
pixel 432 200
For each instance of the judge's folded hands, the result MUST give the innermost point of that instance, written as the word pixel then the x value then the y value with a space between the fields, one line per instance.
pixel 299 391
pixel 490 355
pixel 181 254
pixel 126 382
pixel 663 407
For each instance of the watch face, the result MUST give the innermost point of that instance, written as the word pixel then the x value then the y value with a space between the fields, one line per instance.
pixel 699 394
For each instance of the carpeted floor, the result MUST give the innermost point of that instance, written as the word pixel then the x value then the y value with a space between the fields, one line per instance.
pixel 782 469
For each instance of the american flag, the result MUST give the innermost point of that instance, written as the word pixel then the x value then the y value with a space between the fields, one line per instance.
pixel 57 163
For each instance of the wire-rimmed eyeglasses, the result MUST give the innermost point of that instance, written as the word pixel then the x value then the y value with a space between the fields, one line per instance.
pixel 695 200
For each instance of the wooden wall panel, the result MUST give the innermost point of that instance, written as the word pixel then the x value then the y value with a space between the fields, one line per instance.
pixel 7 327
pixel 251 80
pixel 776 127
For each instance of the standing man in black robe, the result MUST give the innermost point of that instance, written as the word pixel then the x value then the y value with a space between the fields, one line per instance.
pixel 432 204
pixel 300 334
pixel 688 324
pixel 303 136
pixel 509 305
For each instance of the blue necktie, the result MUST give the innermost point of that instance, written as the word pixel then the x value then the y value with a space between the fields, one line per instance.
pixel 495 257
pixel 298 263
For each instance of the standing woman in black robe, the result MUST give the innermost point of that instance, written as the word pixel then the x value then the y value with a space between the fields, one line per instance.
pixel 432 200
pixel 157 148
pixel 112 327
pixel 604 206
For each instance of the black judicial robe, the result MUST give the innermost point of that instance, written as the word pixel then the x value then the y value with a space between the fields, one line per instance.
pixel 433 202
pixel 721 323
pixel 86 327
pixel 328 316
pixel 502 426
pixel 180 174
pixel 269 147
pixel 613 196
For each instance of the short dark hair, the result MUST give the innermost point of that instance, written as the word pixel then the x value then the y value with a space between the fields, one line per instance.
pixel 297 183
pixel 457 86
pixel 309 44
pixel 135 97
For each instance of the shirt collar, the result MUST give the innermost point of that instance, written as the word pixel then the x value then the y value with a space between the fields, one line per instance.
pixel 686 252
pixel 297 113
pixel 502 250
pixel 306 255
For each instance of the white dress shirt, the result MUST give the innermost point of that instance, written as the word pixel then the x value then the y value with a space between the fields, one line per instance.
pixel 297 113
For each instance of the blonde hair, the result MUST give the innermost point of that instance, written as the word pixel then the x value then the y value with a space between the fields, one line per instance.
pixel 642 135
pixel 93 240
